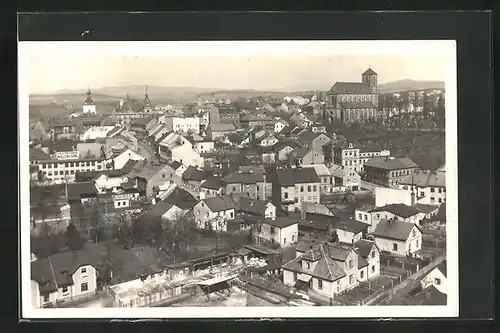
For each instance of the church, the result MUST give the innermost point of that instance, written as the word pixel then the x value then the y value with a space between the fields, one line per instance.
pixel 89 105
pixel 353 101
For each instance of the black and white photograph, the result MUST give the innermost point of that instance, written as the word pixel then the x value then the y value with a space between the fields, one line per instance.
pixel 268 178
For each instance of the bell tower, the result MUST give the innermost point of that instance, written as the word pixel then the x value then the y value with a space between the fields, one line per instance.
pixel 370 77
pixel 147 107
pixel 89 105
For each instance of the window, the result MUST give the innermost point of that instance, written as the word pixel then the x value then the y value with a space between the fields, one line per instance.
pixel 286 195
pixel 294 276
pixel 309 188
pixel 162 175
pixel 284 240
pixel 83 270
pixel 351 264
pixel 302 189
pixel 308 265
pixel 293 238
pixel 234 188
pixel 84 287
pixel 432 189
pixel 320 284
pixel 360 216
pixel 409 246
pixel 231 214
pixel 314 188
pixel 118 203
pixel 362 275
pixel 64 290
pixel 394 246
pixel 351 279
pixel 373 254
pixel 46 298
pixel 366 216
pixel 378 216
pixel 437 281
pixel 373 269
pixel 440 200
pixel 202 204
pixel 413 233
pixel 416 243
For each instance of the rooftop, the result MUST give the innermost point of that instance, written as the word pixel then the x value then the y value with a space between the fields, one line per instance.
pixel 425 178
pixel 393 229
pixel 290 177
pixel 220 203
pixel 391 163
pixel 398 209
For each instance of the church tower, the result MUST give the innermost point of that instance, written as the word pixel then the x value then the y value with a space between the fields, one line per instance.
pixel 89 105
pixel 370 77
pixel 147 107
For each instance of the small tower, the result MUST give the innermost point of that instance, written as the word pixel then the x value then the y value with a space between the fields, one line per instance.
pixel 89 105
pixel 147 107
pixel 370 77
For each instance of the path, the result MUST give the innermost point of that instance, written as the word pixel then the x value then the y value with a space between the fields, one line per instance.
pixel 412 279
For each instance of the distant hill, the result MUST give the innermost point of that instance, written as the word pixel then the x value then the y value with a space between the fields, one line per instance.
pixel 408 85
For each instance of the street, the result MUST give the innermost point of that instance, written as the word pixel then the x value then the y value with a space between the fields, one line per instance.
pixel 146 151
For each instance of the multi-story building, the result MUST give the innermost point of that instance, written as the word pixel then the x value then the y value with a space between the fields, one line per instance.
pixel 63 170
pixel 353 101
pixel 281 230
pixel 428 186
pixel 250 181
pixel 252 120
pixel 388 171
pixel 213 213
pixel 183 125
pixel 396 237
pixel 89 105
pixel 61 277
pixel 292 187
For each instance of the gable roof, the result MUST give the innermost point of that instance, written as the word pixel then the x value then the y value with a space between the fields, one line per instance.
pixel 349 88
pixel 399 209
pixel 393 229
pixel 175 165
pixel 212 182
pixel 193 173
pixel 338 171
pixel 222 127
pixel 243 176
pixel 364 247
pixel 38 155
pixel 78 191
pixel 350 225
pixel 390 163
pixel 155 212
pixel 220 203
pixel 425 178
pixel 56 271
pixel 290 177
pixel 443 267
pixel 321 169
pixel 250 206
pixel 369 71
pixel 181 198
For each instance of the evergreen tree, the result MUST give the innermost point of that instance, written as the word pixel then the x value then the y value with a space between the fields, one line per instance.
pixel 74 240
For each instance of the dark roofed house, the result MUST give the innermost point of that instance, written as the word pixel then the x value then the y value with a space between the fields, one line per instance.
pixel 37 155
pixel 213 213
pixel 402 212
pixel 401 238
pixel 181 198
pixel 254 207
pixel 349 230
pixel 62 277
pixel 212 185
pixel 193 176
pixel 388 171
pixel 281 230
pixel 294 186
pixel 248 180
pixel 79 192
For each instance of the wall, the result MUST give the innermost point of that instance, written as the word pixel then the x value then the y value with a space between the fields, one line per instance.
pixel 414 243
pixel 289 235
pixel 313 157
pixel 203 214
pixel 204 147
pixel 386 196
pixel 253 191
pixel 348 237
pixel 90 278
pixel 283 153
pixel 373 262
pixel 363 273
pixel 307 192
pixel 387 245
pixel 124 157
pixel 164 176
pixel 363 216
pixel 36 299
pixel 61 167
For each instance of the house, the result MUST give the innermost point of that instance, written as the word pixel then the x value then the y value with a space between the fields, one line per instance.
pixel 62 277
pixel 279 124
pixel 259 208
pixel 387 171
pixel 216 131
pixel 349 231
pixel 326 269
pixel 252 120
pixel 211 186
pixel 181 199
pixel 301 120
pixel 292 187
pixel 161 212
pixel 120 160
pixel 247 180
pixel 185 125
pixel 193 177
pixel 428 186
pixel 316 223
pixel 313 140
pixel 306 156
pixel 344 178
pixel 325 177
pixel 268 155
pixel 37 155
pixel 213 213
pixel 150 175
pixel 175 147
pixel 203 147
pixel 267 141
pixel 81 192
pixel 396 237
pixel 281 230
pixel 369 251
pixel 239 139
pixel 366 153
pixel 343 152
pixel 398 211
pixel 437 278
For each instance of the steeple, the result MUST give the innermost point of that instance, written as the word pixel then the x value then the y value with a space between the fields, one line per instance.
pixel 88 100
pixel 147 101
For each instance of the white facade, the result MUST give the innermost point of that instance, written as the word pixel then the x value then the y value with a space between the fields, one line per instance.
pixel 84 284
pixel 402 248
pixel 279 125
pixel 202 147
pixel 437 279
pixel 183 124
pixel 64 171
pixel 89 109
pixel 123 158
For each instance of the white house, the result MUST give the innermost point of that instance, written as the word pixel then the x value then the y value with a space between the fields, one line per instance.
pixel 280 230
pixel 183 124
pixel 202 147
pixel 429 187
pixel 212 213
pixel 97 133
pixel 127 155
pixel 62 277
pixel 437 278
pixel 268 141
pixel 279 125
pixel 401 238
pixel 106 182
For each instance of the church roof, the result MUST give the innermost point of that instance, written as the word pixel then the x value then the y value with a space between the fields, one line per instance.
pixel 88 100
pixel 369 71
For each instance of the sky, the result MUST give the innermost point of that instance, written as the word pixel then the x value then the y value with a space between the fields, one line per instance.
pixel 50 73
